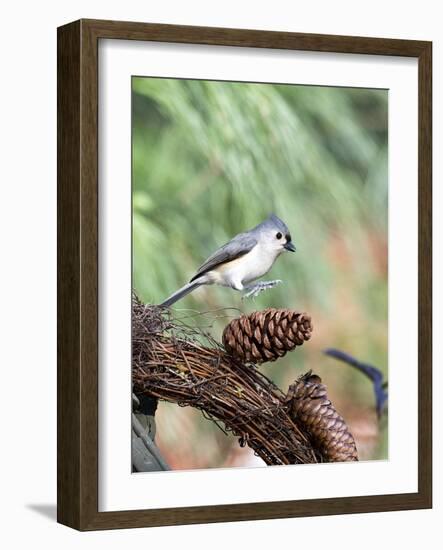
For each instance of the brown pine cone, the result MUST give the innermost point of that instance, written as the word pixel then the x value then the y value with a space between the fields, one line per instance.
pixel 312 410
pixel 266 335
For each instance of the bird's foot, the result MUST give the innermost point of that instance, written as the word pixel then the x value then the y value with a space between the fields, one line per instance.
pixel 254 290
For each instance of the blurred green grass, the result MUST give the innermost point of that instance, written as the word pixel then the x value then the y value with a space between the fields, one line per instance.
pixel 212 159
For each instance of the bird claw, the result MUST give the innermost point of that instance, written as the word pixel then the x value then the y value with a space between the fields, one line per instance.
pixel 254 290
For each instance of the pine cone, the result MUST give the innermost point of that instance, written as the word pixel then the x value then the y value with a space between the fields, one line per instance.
pixel 312 410
pixel 266 335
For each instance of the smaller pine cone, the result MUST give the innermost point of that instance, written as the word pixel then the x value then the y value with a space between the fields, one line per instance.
pixel 266 335
pixel 312 410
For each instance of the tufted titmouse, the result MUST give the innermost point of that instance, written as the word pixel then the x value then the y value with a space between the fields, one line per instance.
pixel 243 259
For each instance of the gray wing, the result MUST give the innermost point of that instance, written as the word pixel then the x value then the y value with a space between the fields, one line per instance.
pixel 239 246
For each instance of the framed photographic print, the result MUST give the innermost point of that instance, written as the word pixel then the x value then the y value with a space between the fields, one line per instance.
pixel 244 274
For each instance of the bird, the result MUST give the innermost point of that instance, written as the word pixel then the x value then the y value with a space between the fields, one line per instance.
pixel 373 373
pixel 245 258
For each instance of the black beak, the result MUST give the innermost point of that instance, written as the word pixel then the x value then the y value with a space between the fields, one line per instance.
pixel 289 246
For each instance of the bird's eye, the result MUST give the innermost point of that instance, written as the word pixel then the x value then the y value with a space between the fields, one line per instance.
pixel 279 235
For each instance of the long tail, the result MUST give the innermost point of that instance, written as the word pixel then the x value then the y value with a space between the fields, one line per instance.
pixel 178 295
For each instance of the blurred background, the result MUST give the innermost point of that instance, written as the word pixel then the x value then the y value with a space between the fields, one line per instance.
pixel 212 159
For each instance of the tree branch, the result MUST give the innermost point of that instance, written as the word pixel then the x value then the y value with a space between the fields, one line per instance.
pixel 169 362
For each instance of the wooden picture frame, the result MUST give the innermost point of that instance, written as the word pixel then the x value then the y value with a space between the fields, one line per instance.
pixel 78 273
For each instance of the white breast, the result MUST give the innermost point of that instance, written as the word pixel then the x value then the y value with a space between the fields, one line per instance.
pixel 247 268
